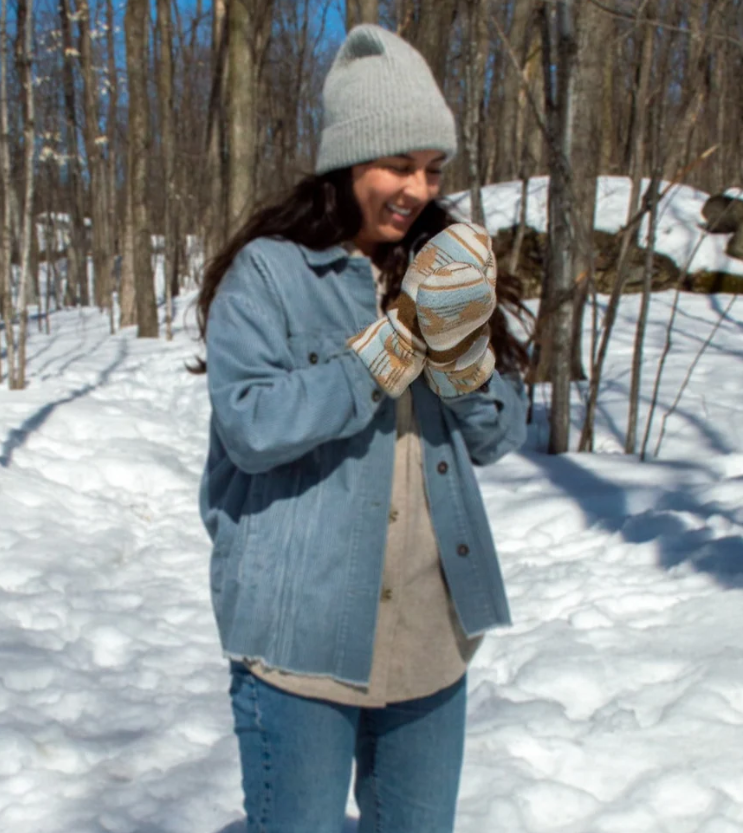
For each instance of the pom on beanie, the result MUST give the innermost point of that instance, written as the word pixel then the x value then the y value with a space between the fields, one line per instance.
pixel 381 99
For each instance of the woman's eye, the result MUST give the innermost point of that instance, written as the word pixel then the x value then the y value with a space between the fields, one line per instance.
pixel 436 172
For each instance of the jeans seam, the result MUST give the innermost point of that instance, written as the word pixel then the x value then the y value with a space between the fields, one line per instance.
pixel 266 756
pixel 375 790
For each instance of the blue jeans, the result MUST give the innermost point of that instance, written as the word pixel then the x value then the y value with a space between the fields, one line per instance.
pixel 297 756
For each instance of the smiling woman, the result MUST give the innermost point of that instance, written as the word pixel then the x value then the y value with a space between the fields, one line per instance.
pixel 392 192
pixel 359 363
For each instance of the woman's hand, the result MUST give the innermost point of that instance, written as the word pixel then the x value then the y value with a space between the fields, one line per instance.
pixel 455 298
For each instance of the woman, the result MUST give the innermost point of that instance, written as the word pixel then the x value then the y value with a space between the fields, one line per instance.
pixel 353 571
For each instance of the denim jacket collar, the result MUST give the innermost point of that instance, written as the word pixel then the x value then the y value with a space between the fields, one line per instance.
pixel 324 257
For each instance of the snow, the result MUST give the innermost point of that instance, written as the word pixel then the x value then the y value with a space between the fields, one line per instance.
pixel 614 703
pixel 679 234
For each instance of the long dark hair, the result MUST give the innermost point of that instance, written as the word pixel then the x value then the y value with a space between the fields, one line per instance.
pixel 320 212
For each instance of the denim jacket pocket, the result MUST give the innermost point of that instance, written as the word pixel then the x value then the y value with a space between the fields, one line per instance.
pixel 316 347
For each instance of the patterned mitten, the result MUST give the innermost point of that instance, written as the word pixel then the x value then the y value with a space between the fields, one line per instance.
pixel 454 303
pixel 392 347
pixel 449 375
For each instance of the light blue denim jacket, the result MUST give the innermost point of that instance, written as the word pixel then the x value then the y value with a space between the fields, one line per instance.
pixel 296 490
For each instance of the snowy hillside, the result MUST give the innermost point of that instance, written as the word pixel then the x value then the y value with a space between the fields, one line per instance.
pixel 614 704
pixel 679 235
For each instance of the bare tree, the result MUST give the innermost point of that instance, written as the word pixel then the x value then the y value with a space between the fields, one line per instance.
pixel 216 169
pixel 361 11
pixel 24 39
pixel 476 55
pixel 111 144
pixel 556 308
pixel 637 145
pixel 77 267
pixel 249 23
pixel 592 28
pixel 139 145
pixel 6 279
pixel 94 149
pixel 427 24
pixel 167 128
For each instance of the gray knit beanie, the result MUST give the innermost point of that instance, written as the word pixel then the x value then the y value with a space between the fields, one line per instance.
pixel 380 99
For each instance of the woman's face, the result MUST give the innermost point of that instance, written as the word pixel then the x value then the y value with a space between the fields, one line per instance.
pixel 391 193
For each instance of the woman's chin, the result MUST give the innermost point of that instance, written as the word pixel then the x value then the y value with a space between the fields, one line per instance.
pixel 392 232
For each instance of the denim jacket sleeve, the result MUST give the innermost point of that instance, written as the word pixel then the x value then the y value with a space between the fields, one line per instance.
pixel 492 420
pixel 266 411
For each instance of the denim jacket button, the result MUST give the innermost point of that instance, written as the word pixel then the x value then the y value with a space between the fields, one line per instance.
pixel 313 357
pixel 463 550
pixel 443 467
pixel 376 396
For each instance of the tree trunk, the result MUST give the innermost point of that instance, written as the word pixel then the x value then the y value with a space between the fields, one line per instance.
pixel 6 283
pixel 216 168
pixel 24 40
pixel 167 127
pixel 127 289
pixel 361 11
pixel 112 191
pixel 637 148
pixel 249 29
pixel 427 25
pixel 77 266
pixel 96 165
pixel 637 145
pixel 554 323
pixel 135 27
pixel 515 102
pixel 592 28
pixel 630 444
pixel 476 55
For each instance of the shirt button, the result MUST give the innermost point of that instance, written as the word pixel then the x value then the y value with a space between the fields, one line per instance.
pixel 443 467
pixel 376 395
pixel 463 550
pixel 393 515
pixel 386 594
pixel 313 357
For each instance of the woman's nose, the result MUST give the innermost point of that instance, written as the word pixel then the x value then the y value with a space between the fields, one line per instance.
pixel 417 186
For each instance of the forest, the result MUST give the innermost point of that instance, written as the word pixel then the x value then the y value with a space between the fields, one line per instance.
pixel 134 129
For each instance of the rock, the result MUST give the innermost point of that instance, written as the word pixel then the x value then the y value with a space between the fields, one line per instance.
pixel 723 214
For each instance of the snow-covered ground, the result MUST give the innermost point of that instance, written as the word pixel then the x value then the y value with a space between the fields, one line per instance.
pixel 613 705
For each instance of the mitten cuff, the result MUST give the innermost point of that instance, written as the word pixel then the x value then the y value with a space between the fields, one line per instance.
pixel 392 360
pixel 451 383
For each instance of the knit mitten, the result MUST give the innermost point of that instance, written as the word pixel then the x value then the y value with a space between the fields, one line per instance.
pixel 448 375
pixel 392 347
pixel 454 303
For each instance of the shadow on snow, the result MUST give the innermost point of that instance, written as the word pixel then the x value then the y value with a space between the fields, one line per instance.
pixel 17 437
